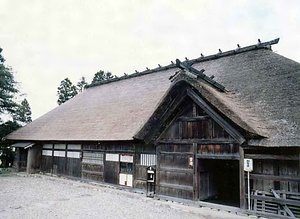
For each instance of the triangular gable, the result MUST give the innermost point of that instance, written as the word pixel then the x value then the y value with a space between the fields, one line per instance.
pixel 209 99
pixel 194 123
pixel 170 107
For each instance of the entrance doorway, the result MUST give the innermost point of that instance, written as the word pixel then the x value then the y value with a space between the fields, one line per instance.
pixel 219 181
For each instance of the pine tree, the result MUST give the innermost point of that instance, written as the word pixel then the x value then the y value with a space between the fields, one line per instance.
pixel 66 91
pixel 8 89
pixel 102 76
pixel 23 112
pixel 81 84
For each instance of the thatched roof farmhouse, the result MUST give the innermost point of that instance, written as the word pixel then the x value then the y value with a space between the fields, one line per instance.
pixel 195 121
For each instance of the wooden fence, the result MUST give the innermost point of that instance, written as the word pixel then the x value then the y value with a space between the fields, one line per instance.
pixel 276 203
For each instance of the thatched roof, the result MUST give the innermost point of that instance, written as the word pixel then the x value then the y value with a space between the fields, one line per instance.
pixel 262 98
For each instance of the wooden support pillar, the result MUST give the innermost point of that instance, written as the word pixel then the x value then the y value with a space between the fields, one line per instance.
pixel 16 163
pixel 33 159
pixel 195 176
pixel 242 179
pixel 157 181
pixel 30 161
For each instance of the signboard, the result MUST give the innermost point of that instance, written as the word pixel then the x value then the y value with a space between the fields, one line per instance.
pixel 191 161
pixel 126 158
pixel 112 157
pixel 248 165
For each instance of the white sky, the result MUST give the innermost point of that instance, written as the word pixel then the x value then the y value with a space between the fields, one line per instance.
pixel 47 41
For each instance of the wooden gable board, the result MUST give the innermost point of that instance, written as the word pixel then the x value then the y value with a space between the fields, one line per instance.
pixel 153 131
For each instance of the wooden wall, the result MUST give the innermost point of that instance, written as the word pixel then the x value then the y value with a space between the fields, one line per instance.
pixel 61 159
pixel 184 151
pixel 99 161
pixel 108 171
pixel 275 168
pixel 174 172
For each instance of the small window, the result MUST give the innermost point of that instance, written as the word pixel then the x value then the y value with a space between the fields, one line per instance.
pixel 126 168
pixel 148 159
pixel 47 146
pixel 92 157
pixel 60 146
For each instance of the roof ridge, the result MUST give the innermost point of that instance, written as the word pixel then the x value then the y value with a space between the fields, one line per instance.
pixel 202 58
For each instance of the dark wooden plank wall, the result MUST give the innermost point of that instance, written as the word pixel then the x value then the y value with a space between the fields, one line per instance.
pixel 140 180
pixel 89 170
pixel 174 172
pixel 275 168
pixel 104 171
pixel 109 170
pixel 23 153
pixel 59 160
pixel 46 165
pixel 73 167
pixel 193 135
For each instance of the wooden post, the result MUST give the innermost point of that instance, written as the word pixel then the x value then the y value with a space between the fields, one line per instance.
pixel 195 176
pixel 17 160
pixel 33 159
pixel 242 179
pixel 157 181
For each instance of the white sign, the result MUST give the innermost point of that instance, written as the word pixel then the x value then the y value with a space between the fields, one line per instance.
pixel 126 158
pixel 112 157
pixel 191 162
pixel 248 165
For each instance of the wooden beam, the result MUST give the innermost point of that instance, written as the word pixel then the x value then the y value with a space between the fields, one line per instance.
pixel 177 170
pixel 272 157
pixel 225 125
pixel 276 200
pixel 92 172
pixel 199 74
pixel 275 178
pixel 175 186
pixel 192 119
pixel 198 141
pixel 177 153
pixel 219 156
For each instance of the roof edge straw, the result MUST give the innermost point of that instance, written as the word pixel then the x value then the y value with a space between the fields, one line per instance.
pixel 259 45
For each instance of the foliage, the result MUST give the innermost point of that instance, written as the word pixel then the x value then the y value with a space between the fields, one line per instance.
pixel 6 154
pixel 81 84
pixel 8 106
pixel 23 112
pixel 102 76
pixel 2 60
pixel 8 88
pixel 66 91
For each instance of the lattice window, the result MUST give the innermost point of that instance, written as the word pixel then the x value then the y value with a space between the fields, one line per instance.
pixel 148 159
pixel 92 158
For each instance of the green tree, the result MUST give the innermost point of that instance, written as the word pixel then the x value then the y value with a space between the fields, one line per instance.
pixel 81 84
pixel 66 91
pixel 6 153
pixel 8 89
pixel 23 112
pixel 102 76
pixel 8 92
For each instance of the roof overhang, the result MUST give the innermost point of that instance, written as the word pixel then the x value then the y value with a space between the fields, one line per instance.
pixel 24 145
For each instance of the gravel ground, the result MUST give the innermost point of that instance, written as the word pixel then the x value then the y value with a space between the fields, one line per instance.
pixel 41 196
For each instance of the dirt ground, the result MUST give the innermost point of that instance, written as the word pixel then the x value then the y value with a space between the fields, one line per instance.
pixel 40 196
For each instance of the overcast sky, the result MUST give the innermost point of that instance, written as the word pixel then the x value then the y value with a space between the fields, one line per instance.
pixel 47 41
